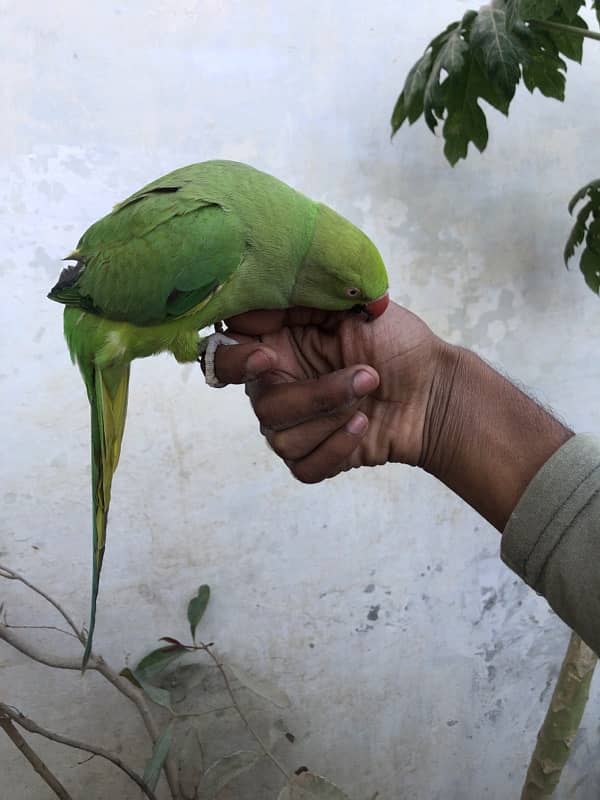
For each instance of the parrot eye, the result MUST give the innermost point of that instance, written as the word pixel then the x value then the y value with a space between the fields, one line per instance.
pixel 353 292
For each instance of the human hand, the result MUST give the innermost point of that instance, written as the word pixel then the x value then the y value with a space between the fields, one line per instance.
pixel 333 392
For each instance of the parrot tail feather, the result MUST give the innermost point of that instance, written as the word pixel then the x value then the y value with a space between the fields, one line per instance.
pixel 107 390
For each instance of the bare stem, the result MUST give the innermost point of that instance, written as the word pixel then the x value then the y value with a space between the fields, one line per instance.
pixel 33 727
pixel 36 762
pixel 97 663
pixel 186 714
pixel 562 721
pixel 11 575
pixel 42 628
pixel 242 715
pixel 559 26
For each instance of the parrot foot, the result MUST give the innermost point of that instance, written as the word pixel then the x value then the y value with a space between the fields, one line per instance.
pixel 211 344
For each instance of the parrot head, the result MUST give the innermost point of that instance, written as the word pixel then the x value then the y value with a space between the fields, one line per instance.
pixel 342 270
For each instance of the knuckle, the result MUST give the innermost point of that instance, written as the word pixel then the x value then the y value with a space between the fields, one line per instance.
pixel 262 407
pixel 328 399
pixel 276 443
pixel 286 446
pixel 304 474
pixel 324 402
pixel 289 447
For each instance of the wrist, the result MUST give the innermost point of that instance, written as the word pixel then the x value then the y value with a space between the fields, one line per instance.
pixel 484 438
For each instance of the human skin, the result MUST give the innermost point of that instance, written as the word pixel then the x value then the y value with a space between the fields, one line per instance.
pixel 334 392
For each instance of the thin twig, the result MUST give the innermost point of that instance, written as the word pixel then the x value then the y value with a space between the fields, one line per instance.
pixel 36 762
pixel 11 575
pixel 120 683
pixel 42 628
pixel 33 727
pixel 185 714
pixel 48 659
pixel 239 710
pixel 559 26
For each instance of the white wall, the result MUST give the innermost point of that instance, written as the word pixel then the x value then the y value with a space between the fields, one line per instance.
pixel 442 695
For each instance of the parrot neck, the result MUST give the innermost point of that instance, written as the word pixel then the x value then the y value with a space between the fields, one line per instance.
pixel 335 241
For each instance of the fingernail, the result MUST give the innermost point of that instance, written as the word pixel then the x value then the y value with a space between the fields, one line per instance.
pixel 363 383
pixel 257 363
pixel 357 425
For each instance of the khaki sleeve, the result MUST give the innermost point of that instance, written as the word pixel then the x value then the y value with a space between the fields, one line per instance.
pixel 552 539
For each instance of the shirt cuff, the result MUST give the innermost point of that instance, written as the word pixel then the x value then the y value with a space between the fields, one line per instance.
pixel 552 539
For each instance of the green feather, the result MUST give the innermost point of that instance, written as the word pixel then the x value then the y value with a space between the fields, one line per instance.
pixel 107 391
pixel 202 244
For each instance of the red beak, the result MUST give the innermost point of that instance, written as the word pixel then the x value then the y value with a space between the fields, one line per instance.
pixel 377 307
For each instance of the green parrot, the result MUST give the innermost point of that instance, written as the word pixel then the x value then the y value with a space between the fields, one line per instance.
pixel 199 245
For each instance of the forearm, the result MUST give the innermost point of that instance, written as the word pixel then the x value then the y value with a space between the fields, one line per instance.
pixel 485 438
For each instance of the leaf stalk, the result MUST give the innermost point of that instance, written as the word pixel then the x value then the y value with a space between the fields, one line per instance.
pixel 560 26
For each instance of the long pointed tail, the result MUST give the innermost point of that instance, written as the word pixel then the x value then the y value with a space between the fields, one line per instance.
pixel 107 390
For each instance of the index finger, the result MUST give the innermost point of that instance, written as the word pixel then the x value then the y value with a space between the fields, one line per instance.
pixel 244 362
pixel 284 405
pixel 259 323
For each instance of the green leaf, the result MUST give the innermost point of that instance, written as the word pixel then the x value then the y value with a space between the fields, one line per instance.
pixel 156 661
pixel 542 68
pixel 225 770
pixel 481 87
pixel 308 786
pixel 398 114
pixel 465 121
pixel 539 9
pixel 587 226
pixel 442 37
pixel 512 9
pixel 499 50
pixel 592 239
pixel 159 696
pixel 410 103
pixel 570 8
pixel 161 751
pixel 569 44
pixel 197 607
pixel 483 58
pixel 151 666
pixel 589 189
pixel 575 239
pixel 451 58
pixel 590 266
pixel 415 86
pixel 127 673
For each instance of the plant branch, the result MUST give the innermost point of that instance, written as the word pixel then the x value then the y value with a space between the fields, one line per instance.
pixel 560 26
pixel 98 664
pixel 243 717
pixel 11 575
pixel 33 727
pixel 48 659
pixel 562 721
pixel 187 714
pixel 36 762
pixel 42 628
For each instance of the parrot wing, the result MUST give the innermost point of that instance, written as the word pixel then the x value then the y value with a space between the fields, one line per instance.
pixel 158 254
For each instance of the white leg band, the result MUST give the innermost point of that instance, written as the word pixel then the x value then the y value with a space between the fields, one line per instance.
pixel 213 342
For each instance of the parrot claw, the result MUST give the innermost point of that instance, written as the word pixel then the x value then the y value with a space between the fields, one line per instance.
pixel 213 343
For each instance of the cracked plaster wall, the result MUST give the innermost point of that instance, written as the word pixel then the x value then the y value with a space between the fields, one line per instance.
pixel 418 666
